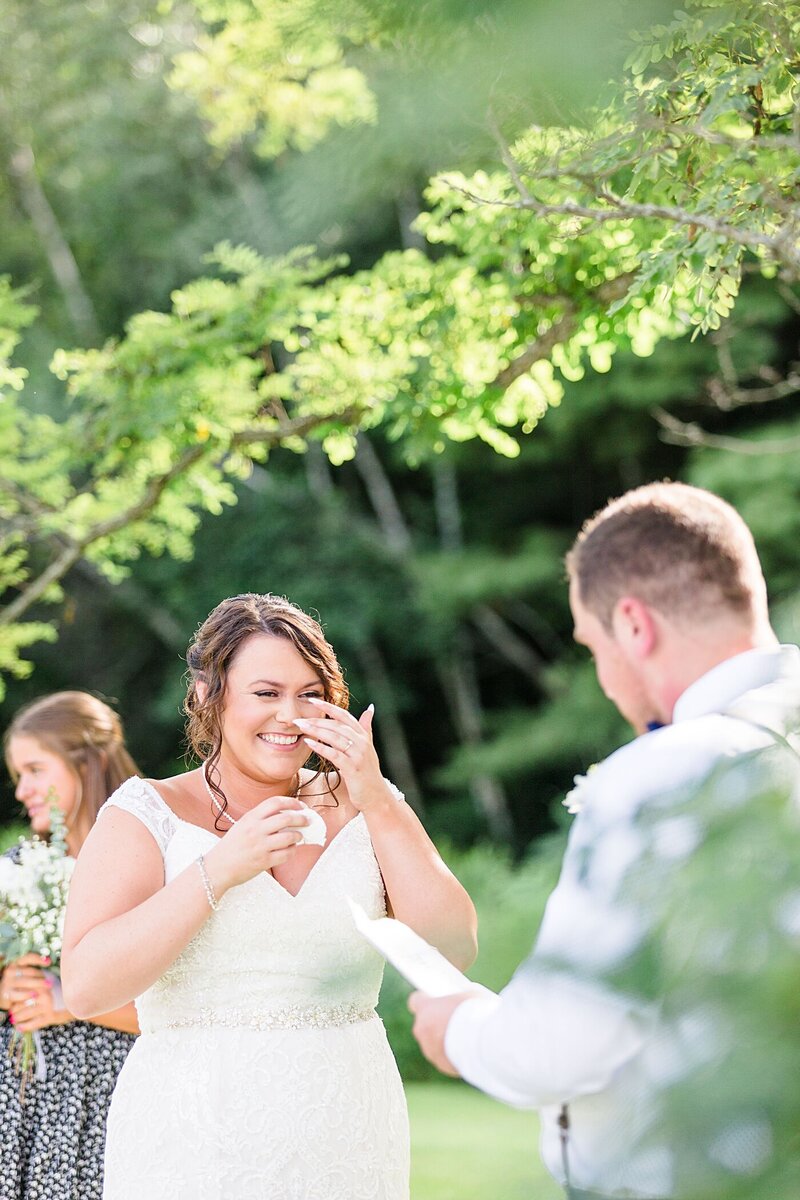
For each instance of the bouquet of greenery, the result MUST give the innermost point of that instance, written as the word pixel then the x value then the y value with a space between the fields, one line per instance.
pixel 34 881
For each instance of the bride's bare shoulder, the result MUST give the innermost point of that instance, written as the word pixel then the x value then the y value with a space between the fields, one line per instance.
pixel 177 783
pixel 179 791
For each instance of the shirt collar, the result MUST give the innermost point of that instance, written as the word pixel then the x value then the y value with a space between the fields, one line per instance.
pixel 715 691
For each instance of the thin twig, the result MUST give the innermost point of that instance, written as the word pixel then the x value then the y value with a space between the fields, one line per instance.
pixel 789 295
pixel 782 246
pixel 727 397
pixel 685 433
pixel 508 158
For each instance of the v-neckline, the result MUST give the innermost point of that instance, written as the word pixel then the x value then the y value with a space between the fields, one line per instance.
pixel 326 851
pixel 218 838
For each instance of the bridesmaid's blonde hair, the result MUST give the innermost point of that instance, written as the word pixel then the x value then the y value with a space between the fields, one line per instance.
pixel 86 734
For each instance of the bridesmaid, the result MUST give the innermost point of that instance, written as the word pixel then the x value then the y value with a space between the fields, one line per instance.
pixel 66 748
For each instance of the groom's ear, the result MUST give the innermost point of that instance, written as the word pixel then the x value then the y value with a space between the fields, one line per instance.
pixel 634 627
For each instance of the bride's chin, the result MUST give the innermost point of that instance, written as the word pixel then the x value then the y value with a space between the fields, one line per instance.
pixel 275 772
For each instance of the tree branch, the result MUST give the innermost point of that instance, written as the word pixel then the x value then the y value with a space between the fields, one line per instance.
pixel 383 499
pixel 55 245
pixel 782 246
pixel 789 296
pixel 400 764
pixel 508 643
pixel 559 331
pixel 154 616
pixel 683 433
pixel 74 548
pixel 726 397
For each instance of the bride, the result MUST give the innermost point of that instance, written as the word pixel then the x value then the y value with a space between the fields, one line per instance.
pixel 262 1071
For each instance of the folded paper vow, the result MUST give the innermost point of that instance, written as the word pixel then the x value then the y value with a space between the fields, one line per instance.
pixel 420 963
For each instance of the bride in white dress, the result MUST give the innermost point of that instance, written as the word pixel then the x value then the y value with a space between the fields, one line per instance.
pixel 262 1071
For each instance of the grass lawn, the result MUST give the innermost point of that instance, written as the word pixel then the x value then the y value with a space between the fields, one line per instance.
pixel 465 1146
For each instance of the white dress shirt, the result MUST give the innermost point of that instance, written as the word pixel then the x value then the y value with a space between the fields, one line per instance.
pixel 552 1038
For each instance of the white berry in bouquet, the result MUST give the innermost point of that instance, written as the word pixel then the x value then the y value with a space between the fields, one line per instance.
pixel 34 883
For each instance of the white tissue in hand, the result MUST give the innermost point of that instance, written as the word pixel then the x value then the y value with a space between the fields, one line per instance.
pixel 314 833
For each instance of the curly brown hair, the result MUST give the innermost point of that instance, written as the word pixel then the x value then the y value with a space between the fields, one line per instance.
pixel 211 654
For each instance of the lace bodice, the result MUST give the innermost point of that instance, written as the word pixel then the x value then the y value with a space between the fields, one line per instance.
pixel 265 955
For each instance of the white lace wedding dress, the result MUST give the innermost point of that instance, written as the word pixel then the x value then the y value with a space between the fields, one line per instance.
pixel 262 1071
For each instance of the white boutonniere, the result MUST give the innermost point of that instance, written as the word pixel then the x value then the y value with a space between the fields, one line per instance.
pixel 575 798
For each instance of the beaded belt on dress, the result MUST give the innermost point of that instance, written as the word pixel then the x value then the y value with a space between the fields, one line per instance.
pixel 295 1016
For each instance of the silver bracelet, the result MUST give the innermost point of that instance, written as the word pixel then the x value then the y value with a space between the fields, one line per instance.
pixel 212 899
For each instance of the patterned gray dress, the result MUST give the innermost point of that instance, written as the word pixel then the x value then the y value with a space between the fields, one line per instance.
pixel 51 1146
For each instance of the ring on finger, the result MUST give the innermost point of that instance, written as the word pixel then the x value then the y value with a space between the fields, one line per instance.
pixel 30 1003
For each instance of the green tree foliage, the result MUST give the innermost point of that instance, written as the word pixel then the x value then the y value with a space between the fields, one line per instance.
pixel 277 68
pixel 273 74
pixel 160 423
pixel 543 255
pixel 696 150
pixel 700 150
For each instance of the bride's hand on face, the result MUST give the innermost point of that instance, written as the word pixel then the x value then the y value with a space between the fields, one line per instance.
pixel 262 839
pixel 347 743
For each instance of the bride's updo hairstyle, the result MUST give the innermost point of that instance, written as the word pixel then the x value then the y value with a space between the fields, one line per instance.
pixel 86 734
pixel 211 654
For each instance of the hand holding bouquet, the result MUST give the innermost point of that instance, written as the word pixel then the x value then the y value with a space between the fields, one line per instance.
pixel 33 897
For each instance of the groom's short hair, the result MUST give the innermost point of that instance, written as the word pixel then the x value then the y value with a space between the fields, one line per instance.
pixel 680 549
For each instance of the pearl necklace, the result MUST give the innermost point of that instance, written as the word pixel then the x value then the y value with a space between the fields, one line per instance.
pixel 223 812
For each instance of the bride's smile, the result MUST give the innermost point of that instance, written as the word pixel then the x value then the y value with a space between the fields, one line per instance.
pixel 269 686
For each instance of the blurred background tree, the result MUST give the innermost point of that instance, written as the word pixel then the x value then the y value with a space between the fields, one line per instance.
pixel 434 385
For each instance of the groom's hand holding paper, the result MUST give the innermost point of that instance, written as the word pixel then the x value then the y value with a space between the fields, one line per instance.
pixel 441 987
pixel 431 1017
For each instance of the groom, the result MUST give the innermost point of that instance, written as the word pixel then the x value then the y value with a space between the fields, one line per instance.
pixel 668 595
